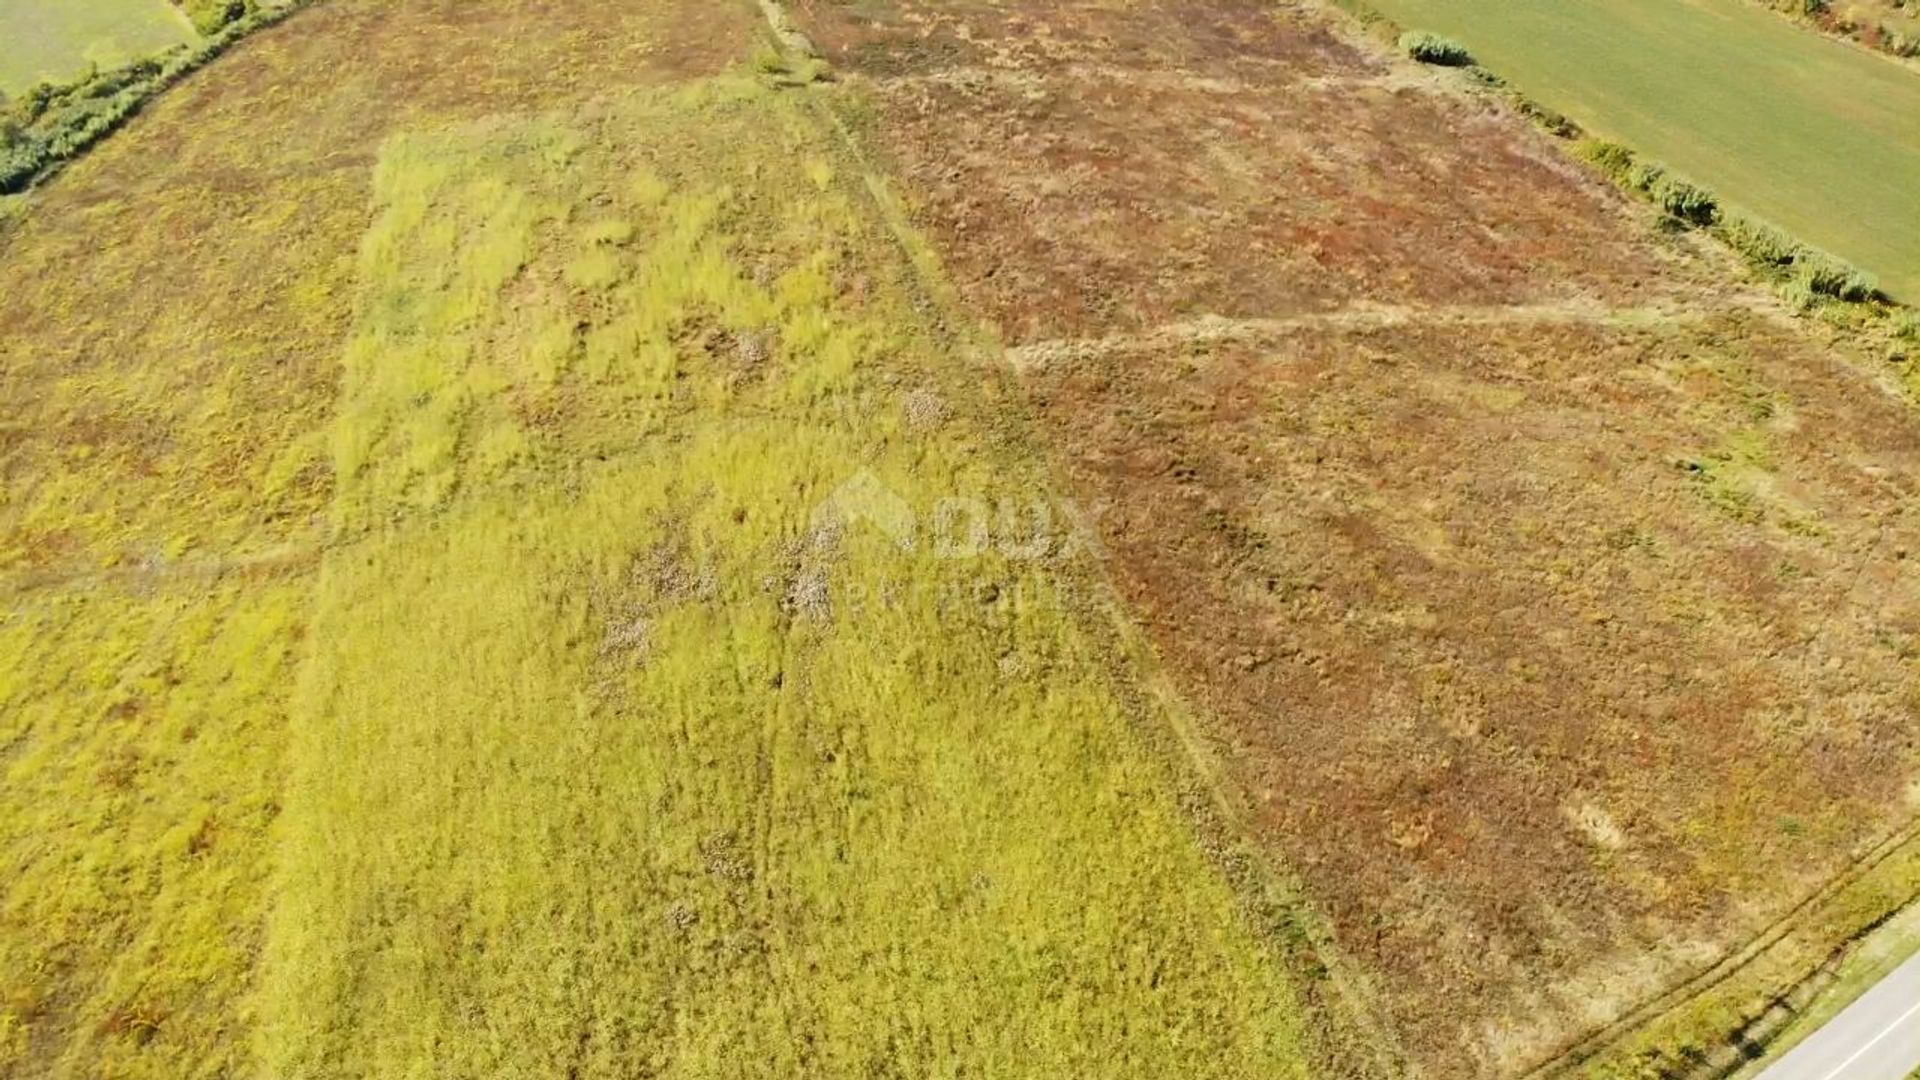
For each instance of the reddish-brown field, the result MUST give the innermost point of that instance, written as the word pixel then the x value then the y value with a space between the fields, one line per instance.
pixel 1549 595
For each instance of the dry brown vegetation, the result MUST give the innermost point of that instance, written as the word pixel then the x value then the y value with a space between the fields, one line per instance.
pixel 1550 596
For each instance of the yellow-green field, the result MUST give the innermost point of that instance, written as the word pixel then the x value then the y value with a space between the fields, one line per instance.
pixel 1813 134
pixel 55 41
pixel 611 754
pixel 520 699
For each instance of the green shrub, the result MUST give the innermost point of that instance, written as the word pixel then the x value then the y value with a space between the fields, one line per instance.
pixel 19 164
pixel 1684 199
pixel 1554 123
pixel 211 16
pixel 1829 275
pixel 1434 49
pixel 35 101
pixel 1612 159
pixel 1675 194
pixel 1642 175
pixel 1799 293
pixel 1759 242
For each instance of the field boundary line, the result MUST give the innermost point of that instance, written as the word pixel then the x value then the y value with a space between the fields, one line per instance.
pixel 965 75
pixel 1216 330
pixel 1813 27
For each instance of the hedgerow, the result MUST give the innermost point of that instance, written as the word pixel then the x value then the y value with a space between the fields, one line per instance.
pixel 52 124
pixel 1806 273
pixel 211 16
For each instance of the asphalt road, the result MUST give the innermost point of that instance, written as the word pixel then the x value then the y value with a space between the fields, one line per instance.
pixel 1875 1038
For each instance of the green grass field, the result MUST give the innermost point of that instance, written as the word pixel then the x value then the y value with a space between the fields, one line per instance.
pixel 1819 137
pixel 56 41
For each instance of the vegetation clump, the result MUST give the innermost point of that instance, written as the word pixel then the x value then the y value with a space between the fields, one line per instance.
pixel 1759 242
pixel 1829 275
pixel 211 16
pixel 1430 48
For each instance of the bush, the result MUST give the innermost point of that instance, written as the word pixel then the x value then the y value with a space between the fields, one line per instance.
pixel 1684 199
pixel 1554 123
pixel 19 164
pixel 1434 49
pixel 1828 275
pixel 1759 242
pixel 1612 159
pixel 1675 194
pixel 211 16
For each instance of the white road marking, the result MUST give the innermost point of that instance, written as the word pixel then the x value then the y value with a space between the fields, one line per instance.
pixel 1871 1043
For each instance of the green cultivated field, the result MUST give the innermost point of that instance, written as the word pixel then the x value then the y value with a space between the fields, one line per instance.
pixel 56 40
pixel 1819 137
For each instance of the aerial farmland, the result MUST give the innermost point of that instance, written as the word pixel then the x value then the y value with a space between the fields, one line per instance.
pixel 910 538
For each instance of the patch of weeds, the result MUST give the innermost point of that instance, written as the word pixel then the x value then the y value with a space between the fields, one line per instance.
pixel 1612 159
pixel 596 269
pixel 1725 477
pixel 611 231
pixel 604 747
pixel 209 17
pixel 1431 48
pixel 784 70
pixel 1630 538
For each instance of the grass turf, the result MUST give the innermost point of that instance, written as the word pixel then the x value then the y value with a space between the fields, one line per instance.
pixel 1810 133
pixel 56 41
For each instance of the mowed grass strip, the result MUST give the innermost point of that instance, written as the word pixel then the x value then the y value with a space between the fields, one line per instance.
pixel 623 746
pixel 55 41
pixel 1815 135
